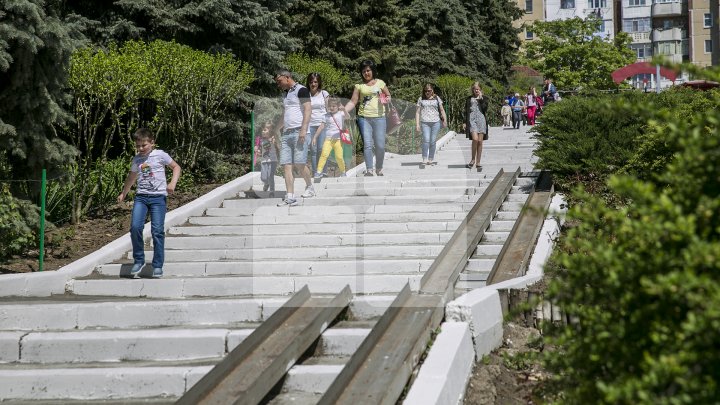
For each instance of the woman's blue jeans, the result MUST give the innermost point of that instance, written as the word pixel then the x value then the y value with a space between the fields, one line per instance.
pixel 157 206
pixel 373 133
pixel 317 150
pixel 429 134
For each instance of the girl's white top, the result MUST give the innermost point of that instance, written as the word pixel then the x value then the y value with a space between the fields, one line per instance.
pixel 318 108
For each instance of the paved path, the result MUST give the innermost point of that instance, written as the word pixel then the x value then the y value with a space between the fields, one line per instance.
pixel 226 271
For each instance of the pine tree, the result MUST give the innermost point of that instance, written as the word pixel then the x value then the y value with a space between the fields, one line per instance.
pixel 347 32
pixel 35 48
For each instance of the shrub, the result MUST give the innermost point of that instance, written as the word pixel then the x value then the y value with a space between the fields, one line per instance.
pixel 586 139
pixel 16 234
pixel 643 284
pixel 641 281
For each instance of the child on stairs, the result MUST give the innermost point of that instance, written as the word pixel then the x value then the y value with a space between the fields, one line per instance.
pixel 333 126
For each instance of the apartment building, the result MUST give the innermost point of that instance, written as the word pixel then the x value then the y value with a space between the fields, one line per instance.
pixel 699 42
pixel 564 9
pixel 534 11
pixel 677 29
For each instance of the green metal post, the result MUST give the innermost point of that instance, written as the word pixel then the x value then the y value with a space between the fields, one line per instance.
pixel 252 133
pixel 42 219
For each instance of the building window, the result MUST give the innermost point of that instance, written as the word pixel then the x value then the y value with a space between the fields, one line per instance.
pixel 528 6
pixel 666 48
pixel 707 20
pixel 528 35
pixel 597 3
pixel 708 46
pixel 636 24
pixel 567 4
pixel 636 3
pixel 642 50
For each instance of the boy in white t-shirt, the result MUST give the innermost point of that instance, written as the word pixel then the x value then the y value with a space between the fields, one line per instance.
pixel 333 126
pixel 148 168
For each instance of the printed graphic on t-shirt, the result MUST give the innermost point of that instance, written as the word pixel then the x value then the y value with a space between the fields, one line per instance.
pixel 147 180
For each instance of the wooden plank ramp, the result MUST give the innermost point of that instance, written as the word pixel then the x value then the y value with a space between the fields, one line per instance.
pixel 250 371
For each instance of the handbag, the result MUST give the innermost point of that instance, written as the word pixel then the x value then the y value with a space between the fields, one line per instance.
pixel 344 133
pixel 393 118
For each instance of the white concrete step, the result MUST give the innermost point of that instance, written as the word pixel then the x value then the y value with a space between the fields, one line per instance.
pixel 279 267
pixel 96 383
pixel 130 345
pixel 488 249
pixel 170 287
pixel 96 313
pixel 378 200
pixel 313 379
pixel 223 216
pixel 500 226
pixel 304 229
pixel 495 237
pixel 158 345
pixel 470 277
pixel 281 241
pixel 434 181
pixel 421 192
pixel 240 209
pixel 357 252
pixel 478 264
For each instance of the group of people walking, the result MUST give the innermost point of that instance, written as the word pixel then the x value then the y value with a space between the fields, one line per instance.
pixel 313 126
pixel 524 109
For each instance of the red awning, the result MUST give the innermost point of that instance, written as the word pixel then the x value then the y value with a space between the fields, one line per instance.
pixel 701 84
pixel 641 67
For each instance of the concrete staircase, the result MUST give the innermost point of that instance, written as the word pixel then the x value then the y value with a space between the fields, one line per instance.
pixel 114 338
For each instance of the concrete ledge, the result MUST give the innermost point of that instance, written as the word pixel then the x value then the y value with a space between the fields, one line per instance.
pixel 482 311
pixel 447 368
pixel 53 282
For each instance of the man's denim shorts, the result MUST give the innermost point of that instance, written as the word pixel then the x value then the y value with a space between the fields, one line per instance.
pixel 292 152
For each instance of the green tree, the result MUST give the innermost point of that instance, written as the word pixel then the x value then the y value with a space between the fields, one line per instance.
pixel 35 48
pixel 571 52
pixel 346 32
pixel 335 81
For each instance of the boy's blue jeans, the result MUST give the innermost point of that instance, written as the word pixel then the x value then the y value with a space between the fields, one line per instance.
pixel 373 133
pixel 157 205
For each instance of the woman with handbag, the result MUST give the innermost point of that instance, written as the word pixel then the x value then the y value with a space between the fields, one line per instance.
pixel 371 97
pixel 475 126
pixel 429 117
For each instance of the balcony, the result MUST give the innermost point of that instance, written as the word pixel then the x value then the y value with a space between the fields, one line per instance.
pixel 675 58
pixel 669 9
pixel 672 34
pixel 640 37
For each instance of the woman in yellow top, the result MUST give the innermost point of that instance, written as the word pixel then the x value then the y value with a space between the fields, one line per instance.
pixel 373 95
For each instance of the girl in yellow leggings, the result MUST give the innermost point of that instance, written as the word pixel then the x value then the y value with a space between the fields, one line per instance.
pixel 333 125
